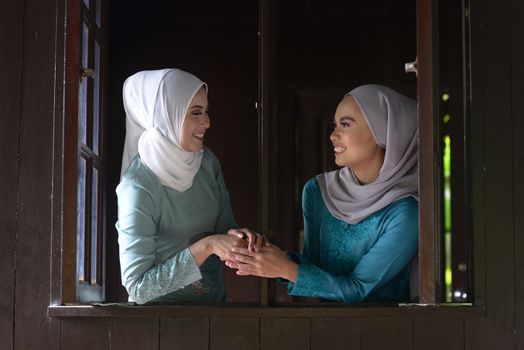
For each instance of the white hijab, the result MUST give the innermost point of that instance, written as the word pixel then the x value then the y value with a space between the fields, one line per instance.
pixel 156 103
pixel 392 119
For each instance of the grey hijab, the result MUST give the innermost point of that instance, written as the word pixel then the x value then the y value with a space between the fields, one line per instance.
pixel 392 119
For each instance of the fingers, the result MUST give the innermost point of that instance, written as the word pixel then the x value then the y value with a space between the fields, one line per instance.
pixel 242 251
pixel 242 269
pixel 236 233
pixel 240 258
pixel 251 237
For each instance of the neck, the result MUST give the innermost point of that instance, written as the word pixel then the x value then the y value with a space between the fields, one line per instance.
pixel 369 172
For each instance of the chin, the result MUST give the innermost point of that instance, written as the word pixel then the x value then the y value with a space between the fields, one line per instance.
pixel 340 163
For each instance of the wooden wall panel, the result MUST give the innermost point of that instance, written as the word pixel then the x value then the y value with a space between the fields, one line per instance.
pixel 336 333
pixel 492 144
pixel 184 333
pixel 135 334
pixel 387 333
pixel 11 22
pixel 85 333
pixel 33 329
pixel 438 334
pixel 517 107
pixel 234 333
pixel 284 333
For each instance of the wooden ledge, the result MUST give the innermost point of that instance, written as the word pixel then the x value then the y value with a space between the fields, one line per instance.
pixel 254 311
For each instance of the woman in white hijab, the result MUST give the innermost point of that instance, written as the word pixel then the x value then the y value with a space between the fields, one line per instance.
pixel 173 205
pixel 361 221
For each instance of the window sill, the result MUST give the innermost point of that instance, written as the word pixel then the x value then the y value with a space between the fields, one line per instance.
pixel 255 311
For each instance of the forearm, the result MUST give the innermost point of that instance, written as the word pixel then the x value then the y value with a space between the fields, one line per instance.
pixel 201 250
pixel 290 271
pixel 312 281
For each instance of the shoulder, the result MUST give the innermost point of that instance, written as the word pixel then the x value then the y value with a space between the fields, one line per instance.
pixel 311 187
pixel 405 207
pixel 402 214
pixel 138 177
pixel 311 191
pixel 311 196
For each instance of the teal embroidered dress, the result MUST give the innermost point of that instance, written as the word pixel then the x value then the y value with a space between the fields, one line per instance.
pixel 156 225
pixel 351 263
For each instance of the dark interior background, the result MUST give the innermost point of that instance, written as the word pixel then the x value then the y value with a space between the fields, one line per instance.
pixel 320 51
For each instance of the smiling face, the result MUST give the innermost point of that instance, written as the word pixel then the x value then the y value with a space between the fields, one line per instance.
pixel 196 122
pixel 353 143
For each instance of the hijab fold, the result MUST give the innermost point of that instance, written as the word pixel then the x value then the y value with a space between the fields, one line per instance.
pixel 392 119
pixel 156 103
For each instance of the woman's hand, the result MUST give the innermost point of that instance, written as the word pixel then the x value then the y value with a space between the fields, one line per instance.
pixel 255 240
pixel 222 244
pixel 218 244
pixel 269 262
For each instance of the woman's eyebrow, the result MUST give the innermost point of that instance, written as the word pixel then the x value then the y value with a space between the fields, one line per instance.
pixel 346 118
pixel 196 106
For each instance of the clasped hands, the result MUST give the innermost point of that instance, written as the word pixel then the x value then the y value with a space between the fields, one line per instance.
pixel 255 255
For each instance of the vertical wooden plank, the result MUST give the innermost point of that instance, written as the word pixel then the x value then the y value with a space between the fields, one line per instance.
pixel 11 33
pixel 57 249
pixel 438 333
pixel 387 333
pixel 265 102
pixel 517 107
pixel 430 276
pixel 85 333
pixel 336 333
pixel 234 333
pixel 135 333
pixel 184 333
pixel 491 138
pixel 33 329
pixel 284 333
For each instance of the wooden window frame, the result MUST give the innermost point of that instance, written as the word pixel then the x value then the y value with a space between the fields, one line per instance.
pixel 63 291
pixel 66 159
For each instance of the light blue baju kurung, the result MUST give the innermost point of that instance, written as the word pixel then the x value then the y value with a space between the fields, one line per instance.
pixel 351 263
pixel 156 225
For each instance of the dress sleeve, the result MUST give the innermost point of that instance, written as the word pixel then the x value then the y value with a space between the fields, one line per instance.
pixel 386 258
pixel 310 197
pixel 144 275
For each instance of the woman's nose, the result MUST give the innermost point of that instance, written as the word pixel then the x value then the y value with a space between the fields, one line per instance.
pixel 333 136
pixel 206 122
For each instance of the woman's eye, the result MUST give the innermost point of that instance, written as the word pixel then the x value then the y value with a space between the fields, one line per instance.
pixel 344 125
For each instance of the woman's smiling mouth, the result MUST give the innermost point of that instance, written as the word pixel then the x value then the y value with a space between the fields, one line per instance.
pixel 339 149
pixel 199 136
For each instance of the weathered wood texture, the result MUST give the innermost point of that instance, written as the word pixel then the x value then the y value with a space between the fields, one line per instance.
pixel 78 333
pixel 135 333
pixel 336 333
pixel 33 329
pixel 11 27
pixel 435 333
pixel 429 201
pixel 284 333
pixel 234 333
pixel 387 333
pixel 184 333
pixel 517 109
pixel 491 126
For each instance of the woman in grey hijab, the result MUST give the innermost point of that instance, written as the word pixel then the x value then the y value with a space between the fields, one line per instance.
pixel 361 221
